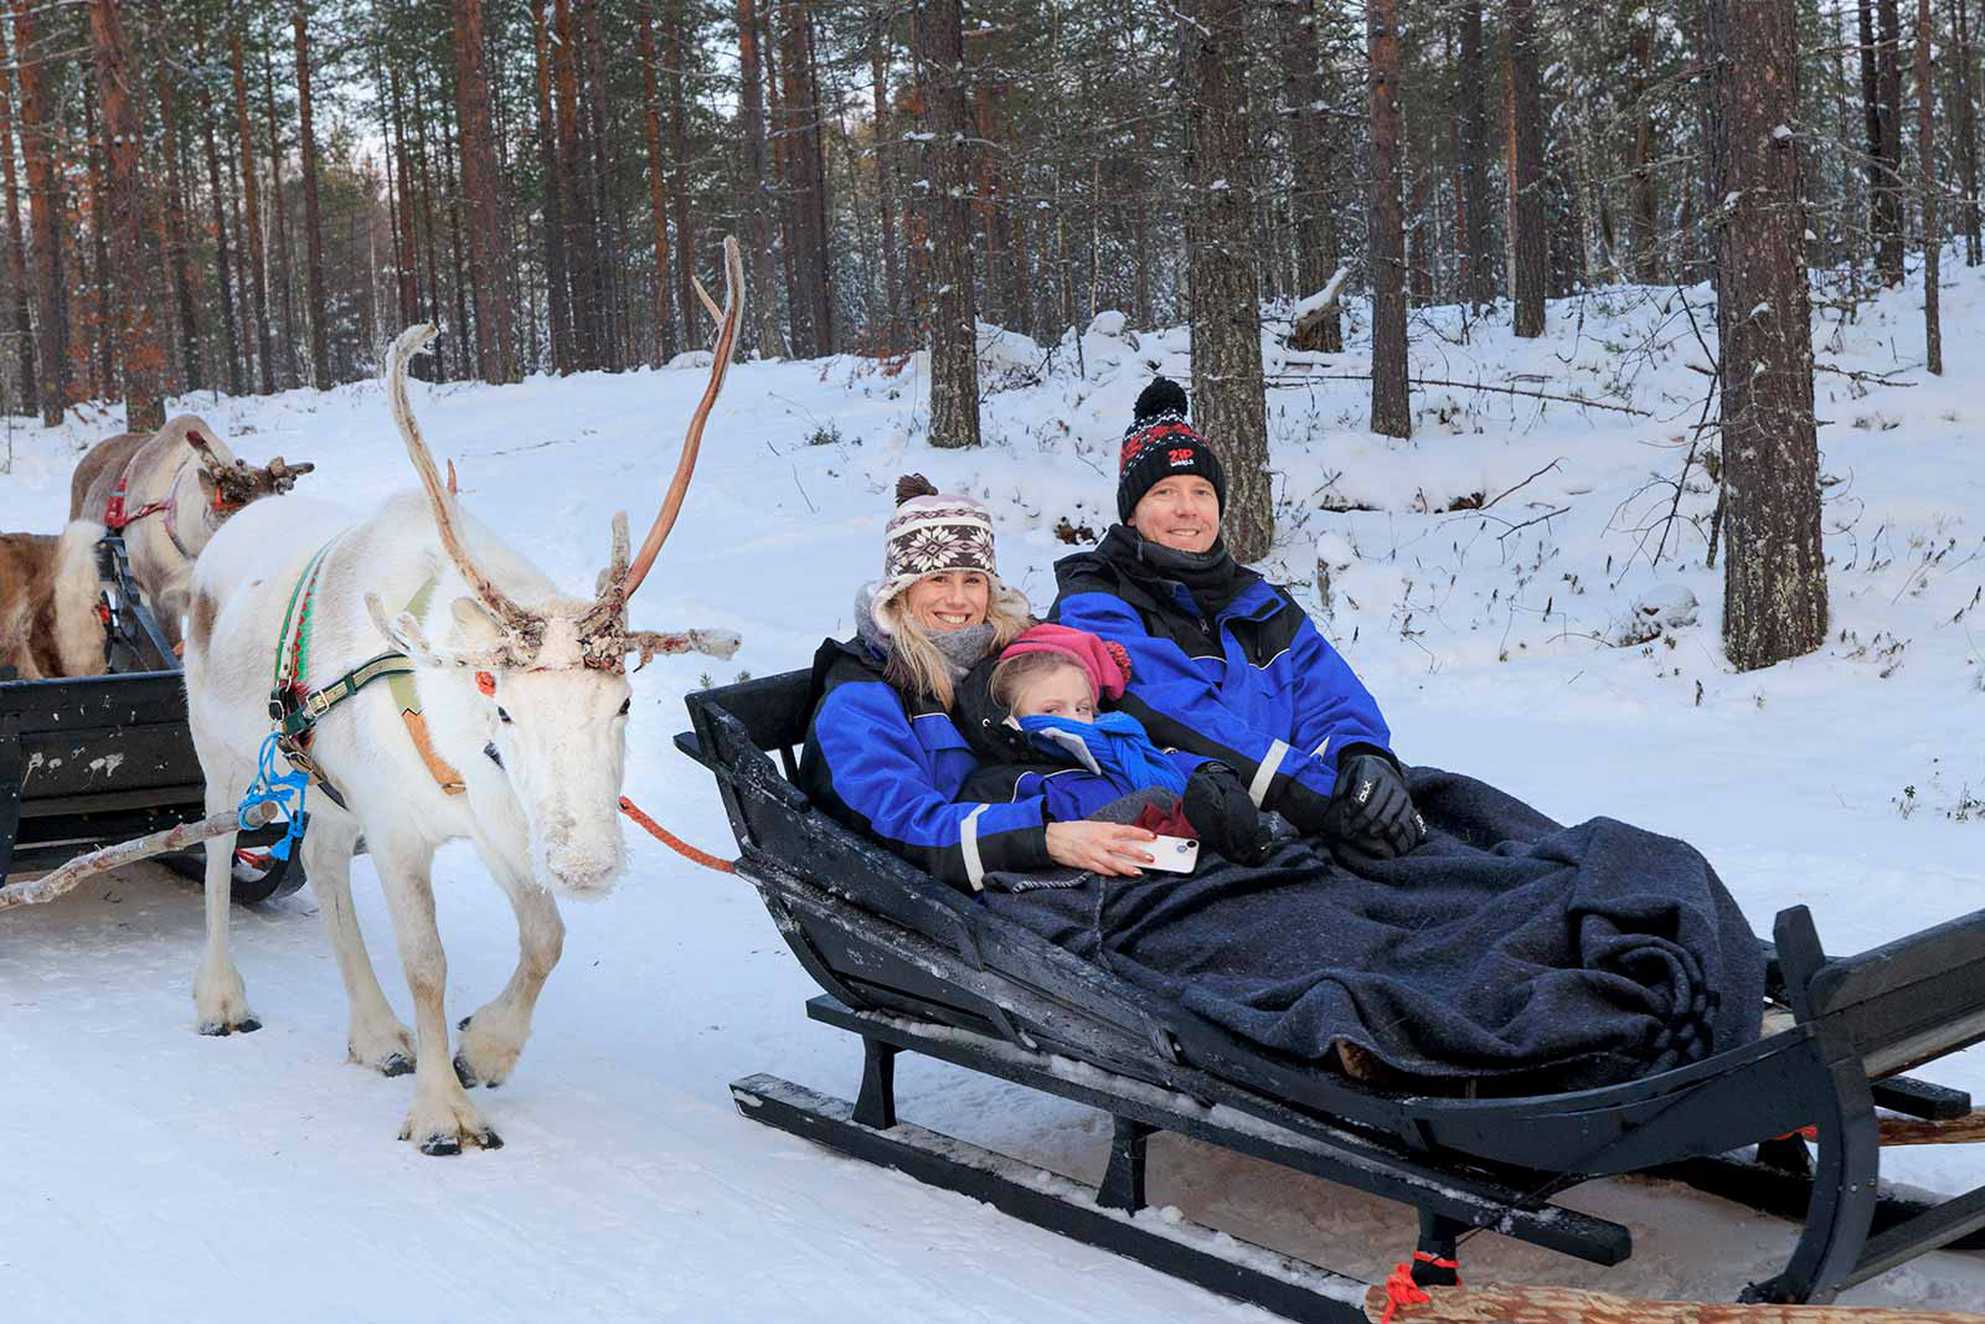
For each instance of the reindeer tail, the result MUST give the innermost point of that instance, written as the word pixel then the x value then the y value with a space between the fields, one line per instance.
pixel 78 630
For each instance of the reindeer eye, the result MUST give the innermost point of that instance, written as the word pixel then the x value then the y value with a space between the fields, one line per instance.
pixel 503 716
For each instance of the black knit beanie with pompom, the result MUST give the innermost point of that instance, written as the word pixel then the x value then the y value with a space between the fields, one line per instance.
pixel 1159 443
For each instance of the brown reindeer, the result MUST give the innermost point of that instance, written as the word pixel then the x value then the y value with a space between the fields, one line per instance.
pixel 48 596
pixel 168 491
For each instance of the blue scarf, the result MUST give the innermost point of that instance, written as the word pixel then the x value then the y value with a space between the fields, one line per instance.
pixel 1117 742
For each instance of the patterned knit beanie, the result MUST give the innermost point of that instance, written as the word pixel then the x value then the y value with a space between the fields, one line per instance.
pixel 932 532
pixel 1159 443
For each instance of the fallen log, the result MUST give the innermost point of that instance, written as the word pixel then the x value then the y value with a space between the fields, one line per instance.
pixel 1517 1304
pixel 72 875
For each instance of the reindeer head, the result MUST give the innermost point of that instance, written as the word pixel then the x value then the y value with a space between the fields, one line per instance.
pixel 552 676
pixel 229 483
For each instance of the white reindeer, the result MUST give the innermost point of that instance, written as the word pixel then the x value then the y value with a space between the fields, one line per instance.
pixel 524 692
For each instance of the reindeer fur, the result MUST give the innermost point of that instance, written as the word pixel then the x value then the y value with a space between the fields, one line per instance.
pixel 166 465
pixel 48 594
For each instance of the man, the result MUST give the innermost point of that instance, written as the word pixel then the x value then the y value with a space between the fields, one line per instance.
pixel 1223 663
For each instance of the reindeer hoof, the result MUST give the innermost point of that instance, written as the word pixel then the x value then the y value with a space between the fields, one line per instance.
pixel 399 1064
pixel 221 1029
pixel 441 1146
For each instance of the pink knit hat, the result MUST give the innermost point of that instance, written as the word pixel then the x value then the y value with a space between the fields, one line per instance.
pixel 1106 662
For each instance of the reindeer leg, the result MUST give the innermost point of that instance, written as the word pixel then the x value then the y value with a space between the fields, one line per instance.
pixel 493 1037
pixel 219 997
pixel 377 1039
pixel 442 1119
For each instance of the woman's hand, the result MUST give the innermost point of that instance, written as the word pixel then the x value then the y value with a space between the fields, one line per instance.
pixel 1111 849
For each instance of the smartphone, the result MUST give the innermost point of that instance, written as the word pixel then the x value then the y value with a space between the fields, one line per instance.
pixel 1173 854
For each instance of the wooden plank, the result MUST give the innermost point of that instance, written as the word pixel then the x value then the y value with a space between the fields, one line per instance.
pixel 1516 1304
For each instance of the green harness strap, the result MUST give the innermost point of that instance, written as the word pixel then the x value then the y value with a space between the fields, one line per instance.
pixel 295 708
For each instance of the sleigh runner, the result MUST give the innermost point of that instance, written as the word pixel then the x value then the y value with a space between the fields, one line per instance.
pixel 907 964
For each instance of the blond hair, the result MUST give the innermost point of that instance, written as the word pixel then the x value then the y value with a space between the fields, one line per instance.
pixel 1009 676
pixel 917 666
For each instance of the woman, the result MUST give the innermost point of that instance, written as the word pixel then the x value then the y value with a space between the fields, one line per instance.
pixel 882 751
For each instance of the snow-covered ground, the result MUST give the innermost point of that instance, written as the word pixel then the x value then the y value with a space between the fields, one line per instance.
pixel 146 1172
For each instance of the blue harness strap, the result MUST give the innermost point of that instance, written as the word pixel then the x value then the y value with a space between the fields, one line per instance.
pixel 285 790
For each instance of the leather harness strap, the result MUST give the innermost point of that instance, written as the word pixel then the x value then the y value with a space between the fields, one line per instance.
pixel 296 709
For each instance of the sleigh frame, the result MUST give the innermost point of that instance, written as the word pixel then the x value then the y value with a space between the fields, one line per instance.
pixel 907 964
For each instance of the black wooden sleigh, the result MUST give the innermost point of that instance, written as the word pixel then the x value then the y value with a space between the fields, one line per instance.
pixel 910 964
pixel 93 760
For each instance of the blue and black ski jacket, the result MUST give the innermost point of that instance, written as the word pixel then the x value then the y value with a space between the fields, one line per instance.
pixel 1254 686
pixel 888 765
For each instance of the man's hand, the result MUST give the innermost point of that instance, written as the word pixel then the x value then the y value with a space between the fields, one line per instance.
pixel 1218 807
pixel 1371 810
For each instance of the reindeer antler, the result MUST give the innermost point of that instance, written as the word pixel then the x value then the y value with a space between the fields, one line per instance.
pixel 619 587
pixel 411 342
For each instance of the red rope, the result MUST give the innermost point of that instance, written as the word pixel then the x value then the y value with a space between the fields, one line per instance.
pixel 1401 1290
pixel 672 841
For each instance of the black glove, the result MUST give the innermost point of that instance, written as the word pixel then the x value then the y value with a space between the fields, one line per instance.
pixel 1218 807
pixel 1371 810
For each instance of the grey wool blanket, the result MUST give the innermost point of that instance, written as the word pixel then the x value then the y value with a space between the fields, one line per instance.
pixel 1508 950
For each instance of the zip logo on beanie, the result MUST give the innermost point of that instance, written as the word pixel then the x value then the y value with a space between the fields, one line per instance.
pixel 1180 457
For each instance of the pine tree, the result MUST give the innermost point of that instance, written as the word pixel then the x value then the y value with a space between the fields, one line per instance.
pixel 938 28
pixel 1229 405
pixel 1392 410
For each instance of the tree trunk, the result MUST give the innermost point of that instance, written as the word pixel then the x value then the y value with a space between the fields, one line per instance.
pixel 223 260
pixel 440 360
pixel 694 332
pixel 1926 156
pixel 284 276
pixel 1871 102
pixel 495 350
pixel 1645 205
pixel 141 349
pixel 954 361
pixel 1229 405
pixel 657 194
pixel 470 365
pixel 251 202
pixel 1775 592
pixel 575 182
pixel 313 223
pixel 1528 236
pixel 557 279
pixel 1302 95
pixel 1478 260
pixel 406 266
pixel 781 163
pixel 102 317
pixel 17 257
pixel 800 139
pixel 890 324
pixel 593 119
pixel 1889 206
pixel 1966 125
pixel 1392 409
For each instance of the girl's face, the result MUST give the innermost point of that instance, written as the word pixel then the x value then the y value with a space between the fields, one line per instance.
pixel 1062 692
pixel 949 600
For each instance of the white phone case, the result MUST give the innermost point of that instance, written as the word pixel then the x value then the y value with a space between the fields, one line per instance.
pixel 1173 854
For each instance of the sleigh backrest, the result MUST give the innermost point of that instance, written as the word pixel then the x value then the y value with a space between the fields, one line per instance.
pixel 738 728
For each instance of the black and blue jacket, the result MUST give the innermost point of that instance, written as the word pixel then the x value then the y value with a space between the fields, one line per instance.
pixel 888 765
pixel 1254 685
